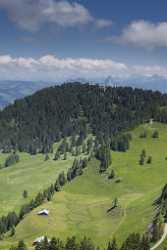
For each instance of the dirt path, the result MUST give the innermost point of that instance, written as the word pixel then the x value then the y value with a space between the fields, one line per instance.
pixel 162 238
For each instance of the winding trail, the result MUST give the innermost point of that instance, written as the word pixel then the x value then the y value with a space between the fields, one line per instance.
pixel 162 238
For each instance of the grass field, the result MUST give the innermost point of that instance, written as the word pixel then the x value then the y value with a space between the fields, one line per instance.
pixel 32 173
pixel 81 207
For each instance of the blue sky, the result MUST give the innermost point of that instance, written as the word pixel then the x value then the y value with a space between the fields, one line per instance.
pixel 64 39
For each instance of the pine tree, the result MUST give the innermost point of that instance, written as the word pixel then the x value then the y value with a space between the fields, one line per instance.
pixel 12 231
pixel 112 245
pixel 155 134
pixel 112 174
pixel 25 194
pixel 71 244
pixel 21 245
pixel 149 160
pixel 46 157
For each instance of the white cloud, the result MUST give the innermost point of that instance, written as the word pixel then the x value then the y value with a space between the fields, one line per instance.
pixel 31 15
pixel 50 67
pixel 144 34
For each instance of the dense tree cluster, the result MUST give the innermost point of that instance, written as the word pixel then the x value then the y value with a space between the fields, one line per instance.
pixel 34 123
pixel 133 242
pixel 157 226
pixel 11 159
pixel 76 169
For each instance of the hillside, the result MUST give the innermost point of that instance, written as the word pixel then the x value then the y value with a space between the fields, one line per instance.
pixel 32 173
pixel 34 123
pixel 81 207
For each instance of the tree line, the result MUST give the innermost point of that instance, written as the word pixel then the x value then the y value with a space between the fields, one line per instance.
pixel 133 242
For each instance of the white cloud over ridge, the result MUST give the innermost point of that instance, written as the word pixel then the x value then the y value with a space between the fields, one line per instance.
pixel 50 67
pixel 32 14
pixel 143 34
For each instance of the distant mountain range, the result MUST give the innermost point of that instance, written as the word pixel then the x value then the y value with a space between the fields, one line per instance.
pixel 12 90
pixel 154 82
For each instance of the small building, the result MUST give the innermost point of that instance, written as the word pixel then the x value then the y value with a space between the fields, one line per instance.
pixel 39 240
pixel 43 212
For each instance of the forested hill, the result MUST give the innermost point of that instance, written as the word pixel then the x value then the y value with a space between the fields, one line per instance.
pixel 32 124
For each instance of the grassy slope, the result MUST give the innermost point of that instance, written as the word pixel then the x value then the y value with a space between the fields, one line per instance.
pixel 80 209
pixel 32 173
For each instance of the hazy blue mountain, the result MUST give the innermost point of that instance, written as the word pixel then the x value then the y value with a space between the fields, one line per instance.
pixel 12 90
pixel 154 82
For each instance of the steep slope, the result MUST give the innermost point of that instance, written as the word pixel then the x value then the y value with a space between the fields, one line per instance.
pixel 81 208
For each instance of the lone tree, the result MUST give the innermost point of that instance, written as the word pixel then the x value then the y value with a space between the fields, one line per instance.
pixel 21 245
pixel 149 160
pixel 115 203
pixel 155 134
pixel 112 174
pixel 25 194
pixel 143 134
pixel 142 157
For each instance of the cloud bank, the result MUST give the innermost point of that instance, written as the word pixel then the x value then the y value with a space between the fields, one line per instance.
pixel 143 34
pixel 52 68
pixel 30 15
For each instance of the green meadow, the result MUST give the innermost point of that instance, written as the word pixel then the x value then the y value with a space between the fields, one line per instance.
pixel 81 208
pixel 32 173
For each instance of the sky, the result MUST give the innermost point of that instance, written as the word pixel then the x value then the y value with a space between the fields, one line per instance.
pixel 57 40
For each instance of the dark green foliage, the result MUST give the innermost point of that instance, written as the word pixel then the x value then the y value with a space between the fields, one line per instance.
pixel 71 244
pixel 115 203
pixel 11 159
pixel 143 153
pixel 149 160
pixel 86 244
pixel 112 174
pixel 12 231
pixel 34 123
pixel 62 179
pixel 46 157
pixel 143 134
pixel 56 244
pixel 104 155
pixel 57 155
pixel 25 194
pixel 76 169
pixel 155 134
pixel 112 245
pixel 141 161
pixel 135 242
pixel 142 157
pixel 21 246
pixel 121 142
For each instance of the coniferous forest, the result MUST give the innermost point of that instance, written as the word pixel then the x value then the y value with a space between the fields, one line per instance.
pixel 34 123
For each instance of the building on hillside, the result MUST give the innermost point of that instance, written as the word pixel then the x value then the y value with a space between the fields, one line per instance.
pixel 43 212
pixel 39 240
